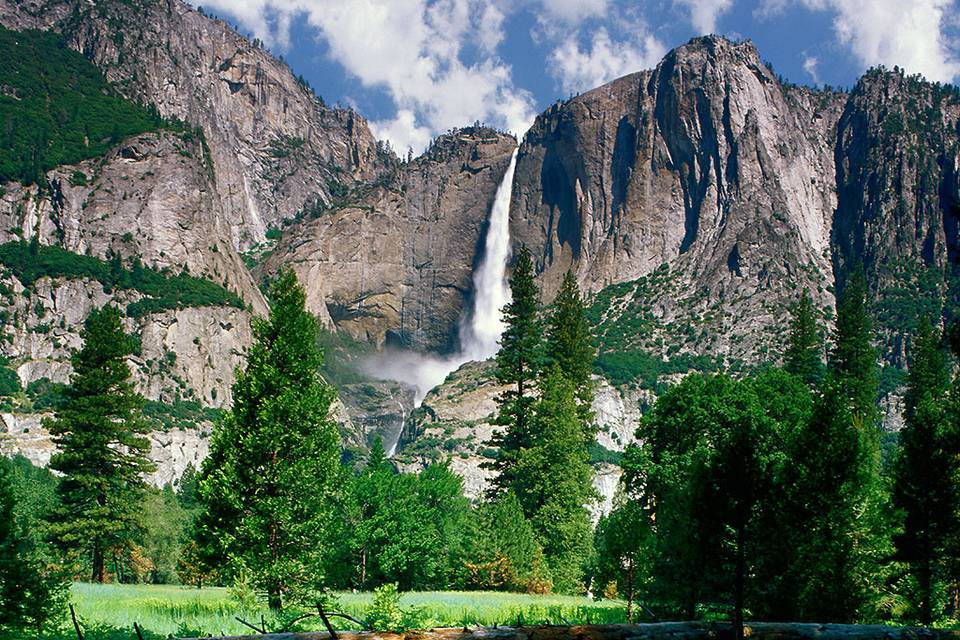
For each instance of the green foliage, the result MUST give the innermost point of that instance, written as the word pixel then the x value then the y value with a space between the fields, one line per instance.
pixel 57 108
pixel 102 448
pixel 553 482
pixel 803 356
pixel 518 364
pixel 46 394
pixel 400 528
pixel 30 262
pixel 9 382
pixel 32 593
pixel 179 414
pixel 623 551
pixel 569 347
pixel 385 613
pixel 503 546
pixel 925 477
pixel 646 371
pixel 853 359
pixel 273 469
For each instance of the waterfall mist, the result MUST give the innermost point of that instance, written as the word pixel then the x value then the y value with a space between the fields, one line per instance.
pixel 480 326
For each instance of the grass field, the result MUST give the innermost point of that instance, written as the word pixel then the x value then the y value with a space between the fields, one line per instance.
pixel 109 611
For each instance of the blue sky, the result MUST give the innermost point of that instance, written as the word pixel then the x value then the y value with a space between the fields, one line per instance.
pixel 415 68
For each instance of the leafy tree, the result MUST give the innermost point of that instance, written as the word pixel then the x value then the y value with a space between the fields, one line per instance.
pixel 268 483
pixel 804 350
pixel 502 546
pixel 553 482
pixel 518 363
pixel 31 593
pixel 102 448
pixel 166 524
pixel 623 551
pixel 925 474
pixel 569 346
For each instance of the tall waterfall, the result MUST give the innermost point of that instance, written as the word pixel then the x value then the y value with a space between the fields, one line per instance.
pixel 480 325
pixel 481 329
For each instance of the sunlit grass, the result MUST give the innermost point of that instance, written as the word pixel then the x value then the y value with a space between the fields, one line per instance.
pixel 162 610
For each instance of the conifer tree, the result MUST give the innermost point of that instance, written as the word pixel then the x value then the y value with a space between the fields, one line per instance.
pixel 518 364
pixel 102 448
pixel 925 473
pixel 569 346
pixel 802 357
pixel 553 482
pixel 853 359
pixel 268 483
pixel 31 594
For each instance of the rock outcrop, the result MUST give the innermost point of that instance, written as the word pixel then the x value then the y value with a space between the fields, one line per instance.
pixel 394 266
pixel 274 145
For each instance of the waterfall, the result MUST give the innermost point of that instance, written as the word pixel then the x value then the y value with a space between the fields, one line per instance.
pixel 481 329
pixel 481 325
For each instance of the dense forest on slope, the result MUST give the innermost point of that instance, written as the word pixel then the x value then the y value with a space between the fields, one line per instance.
pixel 31 261
pixel 57 108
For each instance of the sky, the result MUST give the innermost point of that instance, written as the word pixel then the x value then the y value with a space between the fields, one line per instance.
pixel 416 68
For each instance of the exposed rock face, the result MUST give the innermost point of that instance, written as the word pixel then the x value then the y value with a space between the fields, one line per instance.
pixel 172 451
pixel 395 265
pixel 455 423
pixel 706 164
pixel 898 210
pixel 274 145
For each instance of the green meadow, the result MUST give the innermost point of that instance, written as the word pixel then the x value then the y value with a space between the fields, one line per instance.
pixel 108 612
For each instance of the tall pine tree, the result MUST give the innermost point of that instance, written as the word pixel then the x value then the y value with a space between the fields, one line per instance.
pixel 102 448
pixel 268 483
pixel 569 346
pixel 925 474
pixel 802 357
pixel 553 482
pixel 518 364
pixel 853 359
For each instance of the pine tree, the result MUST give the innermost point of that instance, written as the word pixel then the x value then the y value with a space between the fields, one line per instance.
pixel 553 482
pixel 853 359
pixel 802 357
pixel 569 346
pixel 925 473
pixel 31 594
pixel 518 364
pixel 102 448
pixel 268 483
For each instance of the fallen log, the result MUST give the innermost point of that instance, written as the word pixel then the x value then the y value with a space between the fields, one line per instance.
pixel 650 631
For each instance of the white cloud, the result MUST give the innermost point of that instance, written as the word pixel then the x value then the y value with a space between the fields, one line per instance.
pixel 905 33
pixel 412 49
pixel 704 13
pixel 810 66
pixel 572 12
pixel 603 60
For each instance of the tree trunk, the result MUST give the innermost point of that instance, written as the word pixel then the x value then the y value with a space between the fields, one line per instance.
pixel 739 587
pixel 274 601
pixel 99 573
pixel 630 593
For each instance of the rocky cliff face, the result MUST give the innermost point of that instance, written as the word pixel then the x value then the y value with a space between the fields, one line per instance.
pixel 455 423
pixel 394 265
pixel 707 165
pixel 274 146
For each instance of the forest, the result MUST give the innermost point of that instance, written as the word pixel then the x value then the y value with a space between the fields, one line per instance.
pixel 765 495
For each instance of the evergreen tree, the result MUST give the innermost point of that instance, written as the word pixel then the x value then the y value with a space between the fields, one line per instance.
pixel 274 464
pixel 31 594
pixel 853 359
pixel 102 448
pixel 802 357
pixel 518 364
pixel 553 483
pixel 569 346
pixel 925 474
